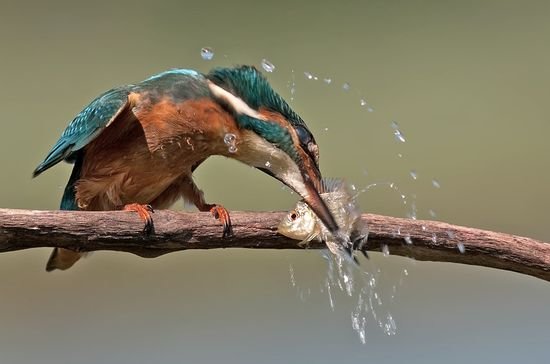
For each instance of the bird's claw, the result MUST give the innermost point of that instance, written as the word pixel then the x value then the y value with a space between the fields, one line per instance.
pixel 144 212
pixel 220 213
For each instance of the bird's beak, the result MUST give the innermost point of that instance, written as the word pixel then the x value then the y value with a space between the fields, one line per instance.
pixel 312 183
pixel 300 174
pixel 305 179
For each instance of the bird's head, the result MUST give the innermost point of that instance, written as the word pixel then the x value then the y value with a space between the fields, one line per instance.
pixel 273 137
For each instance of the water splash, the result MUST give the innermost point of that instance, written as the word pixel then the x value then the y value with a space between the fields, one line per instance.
pixel 291 272
pixel 268 66
pixel 207 53
pixel 230 140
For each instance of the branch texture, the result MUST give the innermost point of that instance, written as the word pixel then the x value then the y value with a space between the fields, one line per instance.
pixel 173 231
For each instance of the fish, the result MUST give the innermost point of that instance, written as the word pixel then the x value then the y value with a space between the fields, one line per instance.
pixel 301 223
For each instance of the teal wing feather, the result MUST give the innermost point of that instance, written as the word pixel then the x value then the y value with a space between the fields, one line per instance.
pixel 86 126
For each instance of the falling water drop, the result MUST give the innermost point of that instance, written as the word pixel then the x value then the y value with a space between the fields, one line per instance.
pixel 291 272
pixel 308 75
pixel 461 247
pixel 413 174
pixel 399 136
pixel 346 86
pixel 385 250
pixel 436 183
pixel 432 213
pixel 268 164
pixel 327 80
pixel 363 102
pixel 267 66
pixel 207 53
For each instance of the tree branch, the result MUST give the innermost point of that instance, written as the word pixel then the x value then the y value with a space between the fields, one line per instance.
pixel 122 231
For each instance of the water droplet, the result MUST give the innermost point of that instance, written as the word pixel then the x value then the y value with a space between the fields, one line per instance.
pixel 399 136
pixel 435 183
pixel 413 174
pixel 372 282
pixel 326 129
pixel 329 292
pixel 385 250
pixel 232 149
pixel 432 213
pixel 327 80
pixel 363 102
pixel 291 272
pixel 405 272
pixel 229 138
pixel 461 247
pixel 450 234
pixel 268 164
pixel 423 228
pixel 308 75
pixel 370 109
pixel 346 86
pixel 394 125
pixel 434 238
pixel 207 53
pixel 400 155
pixel 408 240
pixel 267 66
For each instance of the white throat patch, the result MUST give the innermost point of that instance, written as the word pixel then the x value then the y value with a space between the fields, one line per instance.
pixel 235 102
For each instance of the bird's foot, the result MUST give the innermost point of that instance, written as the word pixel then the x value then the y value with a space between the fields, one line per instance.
pixel 220 213
pixel 144 212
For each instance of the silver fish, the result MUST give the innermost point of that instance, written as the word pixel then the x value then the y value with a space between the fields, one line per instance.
pixel 302 223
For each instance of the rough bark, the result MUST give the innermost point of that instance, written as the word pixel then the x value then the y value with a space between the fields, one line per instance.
pixel 173 231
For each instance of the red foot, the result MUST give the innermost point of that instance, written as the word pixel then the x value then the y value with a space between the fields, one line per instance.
pixel 220 213
pixel 144 212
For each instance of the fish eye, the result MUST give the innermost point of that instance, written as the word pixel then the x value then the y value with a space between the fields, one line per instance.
pixel 293 216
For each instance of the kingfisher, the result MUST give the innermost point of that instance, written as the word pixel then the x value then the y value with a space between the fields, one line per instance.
pixel 135 147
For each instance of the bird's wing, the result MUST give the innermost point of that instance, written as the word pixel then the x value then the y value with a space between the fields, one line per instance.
pixel 86 126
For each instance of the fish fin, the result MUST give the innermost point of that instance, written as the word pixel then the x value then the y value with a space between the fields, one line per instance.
pixel 329 185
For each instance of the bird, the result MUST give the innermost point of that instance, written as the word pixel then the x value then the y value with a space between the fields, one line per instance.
pixel 135 147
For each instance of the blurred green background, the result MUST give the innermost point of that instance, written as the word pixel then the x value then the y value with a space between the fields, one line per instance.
pixel 467 81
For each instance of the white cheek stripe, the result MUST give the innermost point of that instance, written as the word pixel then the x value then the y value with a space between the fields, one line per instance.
pixel 236 103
